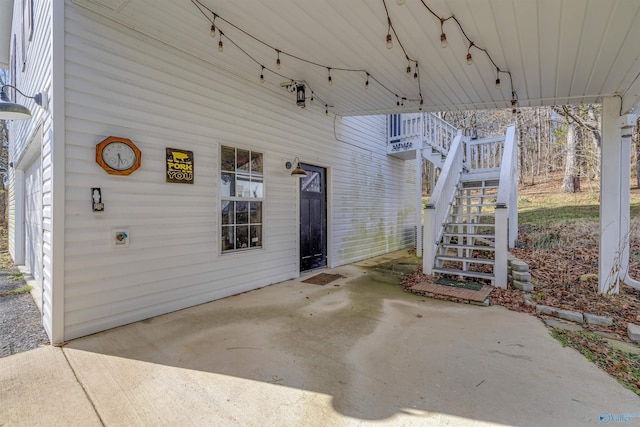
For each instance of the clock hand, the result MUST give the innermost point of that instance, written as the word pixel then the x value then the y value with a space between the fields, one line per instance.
pixel 119 160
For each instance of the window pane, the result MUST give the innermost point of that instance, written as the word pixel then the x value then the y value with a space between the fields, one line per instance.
pixel 243 186
pixel 228 161
pixel 228 238
pixel 256 212
pixel 311 183
pixel 242 237
pixel 256 235
pixel 242 212
pixel 256 188
pixel 227 184
pixel 227 212
pixel 243 160
pixel 256 162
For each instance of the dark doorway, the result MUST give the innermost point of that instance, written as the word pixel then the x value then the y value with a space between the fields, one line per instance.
pixel 313 218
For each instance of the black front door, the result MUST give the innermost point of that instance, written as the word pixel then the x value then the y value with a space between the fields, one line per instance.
pixel 313 218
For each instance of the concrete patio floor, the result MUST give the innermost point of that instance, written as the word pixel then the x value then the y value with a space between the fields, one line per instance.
pixel 296 354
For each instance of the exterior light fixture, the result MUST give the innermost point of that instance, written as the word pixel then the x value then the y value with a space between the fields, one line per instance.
pixel 12 111
pixel 298 171
pixel 300 96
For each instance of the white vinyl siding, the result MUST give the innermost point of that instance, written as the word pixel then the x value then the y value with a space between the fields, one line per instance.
pixel 122 83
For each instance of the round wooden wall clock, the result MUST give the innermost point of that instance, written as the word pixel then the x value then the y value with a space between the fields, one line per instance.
pixel 118 156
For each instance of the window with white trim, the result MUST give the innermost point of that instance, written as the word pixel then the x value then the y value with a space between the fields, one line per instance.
pixel 242 196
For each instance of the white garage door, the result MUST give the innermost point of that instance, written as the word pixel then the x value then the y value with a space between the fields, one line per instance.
pixel 33 219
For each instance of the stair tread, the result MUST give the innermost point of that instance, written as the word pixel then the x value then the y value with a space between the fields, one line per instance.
pixel 474 247
pixel 469 224
pixel 465 259
pixel 455 272
pixel 477 235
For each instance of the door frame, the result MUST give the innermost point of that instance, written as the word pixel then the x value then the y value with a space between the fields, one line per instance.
pixel 329 218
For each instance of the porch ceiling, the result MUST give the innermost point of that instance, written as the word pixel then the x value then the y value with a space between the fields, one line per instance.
pixel 557 51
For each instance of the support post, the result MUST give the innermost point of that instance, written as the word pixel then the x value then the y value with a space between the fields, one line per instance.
pixel 419 200
pixel 428 254
pixel 614 206
pixel 500 270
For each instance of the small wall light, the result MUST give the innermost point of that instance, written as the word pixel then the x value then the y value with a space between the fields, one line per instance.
pixel 300 96
pixel 12 111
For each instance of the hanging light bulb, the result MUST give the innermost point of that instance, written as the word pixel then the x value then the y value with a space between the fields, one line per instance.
pixel 220 46
pixel 497 78
pixel 311 99
pixel 415 73
pixel 366 84
pixel 443 40
pixel 408 71
pixel 213 30
pixel 389 41
pixel 262 75
pixel 469 59
pixel 278 65
pixel 329 79
pixel 397 101
pixel 421 102
pixel 326 110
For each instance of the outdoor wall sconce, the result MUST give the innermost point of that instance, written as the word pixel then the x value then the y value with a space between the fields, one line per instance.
pixel 300 97
pixel 12 111
pixel 298 171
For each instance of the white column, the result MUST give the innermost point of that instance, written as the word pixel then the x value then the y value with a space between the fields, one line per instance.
pixel 614 206
pixel 419 202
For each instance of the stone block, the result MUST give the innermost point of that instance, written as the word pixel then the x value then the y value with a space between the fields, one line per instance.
pixel 594 319
pixel 633 331
pixel 527 301
pixel 573 316
pixel 523 286
pixel 517 265
pixel 521 276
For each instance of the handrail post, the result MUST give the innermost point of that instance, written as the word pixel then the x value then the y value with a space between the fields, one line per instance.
pixel 500 270
pixel 428 247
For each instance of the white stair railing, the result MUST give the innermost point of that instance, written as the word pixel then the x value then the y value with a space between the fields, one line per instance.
pixel 437 210
pixel 506 207
pixel 438 133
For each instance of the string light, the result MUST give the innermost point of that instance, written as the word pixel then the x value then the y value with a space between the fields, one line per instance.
pixel 326 110
pixel 262 75
pixel 311 99
pixel 391 35
pixel 443 36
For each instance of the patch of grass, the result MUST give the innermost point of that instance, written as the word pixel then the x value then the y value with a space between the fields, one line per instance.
pixel 23 290
pixel 5 261
pixel 622 365
pixel 17 276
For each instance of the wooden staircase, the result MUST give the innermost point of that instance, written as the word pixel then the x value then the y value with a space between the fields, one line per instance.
pixel 467 246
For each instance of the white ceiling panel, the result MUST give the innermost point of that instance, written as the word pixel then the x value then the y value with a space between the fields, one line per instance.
pixel 557 51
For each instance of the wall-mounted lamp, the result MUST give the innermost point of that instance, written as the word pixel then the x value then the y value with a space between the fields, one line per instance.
pixel 12 111
pixel 298 171
pixel 300 97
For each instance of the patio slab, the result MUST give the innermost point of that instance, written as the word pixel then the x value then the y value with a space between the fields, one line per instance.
pixel 358 351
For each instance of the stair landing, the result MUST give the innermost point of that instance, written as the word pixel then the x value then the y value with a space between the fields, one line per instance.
pixel 451 293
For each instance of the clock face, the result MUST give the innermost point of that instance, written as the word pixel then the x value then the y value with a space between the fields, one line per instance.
pixel 119 156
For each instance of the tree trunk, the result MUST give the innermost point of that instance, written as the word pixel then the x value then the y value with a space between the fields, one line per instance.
pixel 571 170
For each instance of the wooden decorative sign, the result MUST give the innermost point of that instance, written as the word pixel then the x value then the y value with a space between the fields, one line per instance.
pixel 179 166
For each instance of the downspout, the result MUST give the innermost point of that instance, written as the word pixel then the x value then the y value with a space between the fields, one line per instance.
pixel 627 123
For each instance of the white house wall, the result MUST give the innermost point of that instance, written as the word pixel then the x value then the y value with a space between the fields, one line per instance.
pixel 119 82
pixel 30 141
